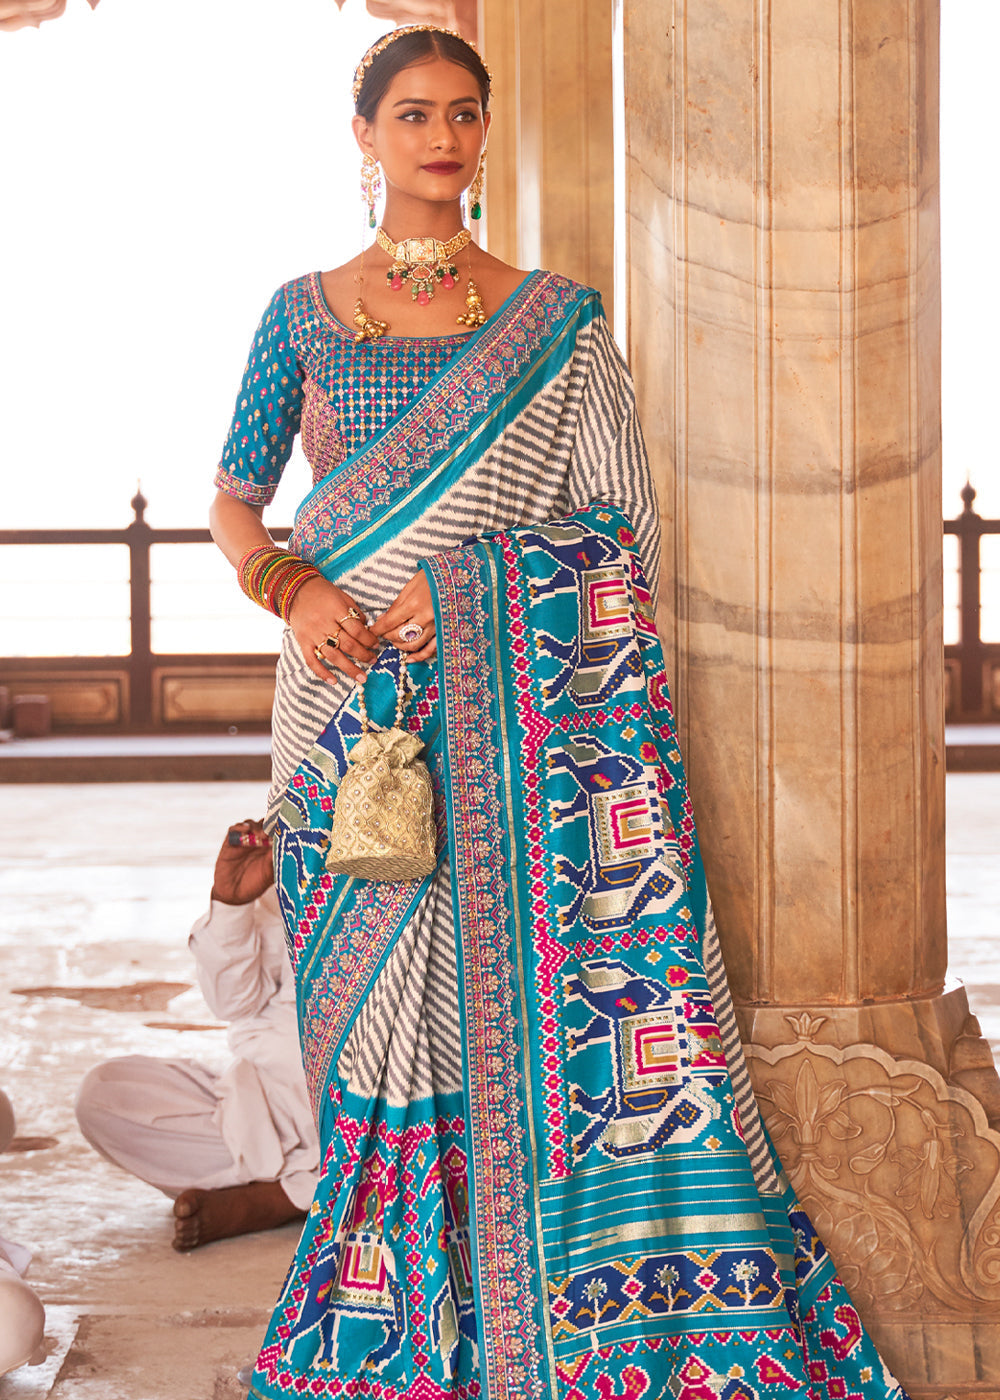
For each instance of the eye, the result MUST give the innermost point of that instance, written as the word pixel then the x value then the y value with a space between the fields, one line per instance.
pixel 468 116
pixel 416 114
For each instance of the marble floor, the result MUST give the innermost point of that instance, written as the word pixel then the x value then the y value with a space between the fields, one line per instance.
pixel 98 887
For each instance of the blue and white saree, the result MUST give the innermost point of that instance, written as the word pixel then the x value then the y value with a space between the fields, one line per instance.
pixel 544 1174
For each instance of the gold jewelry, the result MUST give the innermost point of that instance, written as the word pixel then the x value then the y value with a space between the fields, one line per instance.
pixel 371 185
pixel 318 653
pixel 353 613
pixel 380 45
pixel 475 315
pixel 333 641
pixel 410 631
pixel 368 328
pixel 476 189
pixel 422 261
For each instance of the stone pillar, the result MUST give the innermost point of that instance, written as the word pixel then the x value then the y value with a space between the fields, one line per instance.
pixel 783 266
pixel 550 171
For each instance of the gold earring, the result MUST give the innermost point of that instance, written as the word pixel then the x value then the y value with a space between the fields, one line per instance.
pixel 371 185
pixel 476 188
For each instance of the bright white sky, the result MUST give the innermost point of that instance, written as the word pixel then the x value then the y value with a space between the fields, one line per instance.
pixel 167 163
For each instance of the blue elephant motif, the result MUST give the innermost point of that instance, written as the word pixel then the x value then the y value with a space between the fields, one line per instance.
pixel 635 864
pixel 660 1043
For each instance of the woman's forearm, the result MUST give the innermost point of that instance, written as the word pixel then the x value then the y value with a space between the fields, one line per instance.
pixel 236 527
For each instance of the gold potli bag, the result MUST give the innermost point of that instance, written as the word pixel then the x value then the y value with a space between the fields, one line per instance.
pixel 383 817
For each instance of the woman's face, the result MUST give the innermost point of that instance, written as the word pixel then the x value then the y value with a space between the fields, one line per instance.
pixel 429 131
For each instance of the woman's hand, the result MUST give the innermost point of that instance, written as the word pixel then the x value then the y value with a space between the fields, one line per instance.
pixel 327 624
pixel 412 610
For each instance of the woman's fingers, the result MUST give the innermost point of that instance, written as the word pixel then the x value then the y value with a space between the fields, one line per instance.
pixel 325 661
pixel 352 659
pixel 428 650
pixel 413 603
pixel 408 622
pixel 332 632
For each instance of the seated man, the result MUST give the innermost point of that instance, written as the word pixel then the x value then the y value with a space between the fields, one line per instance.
pixel 22 1317
pixel 237 1151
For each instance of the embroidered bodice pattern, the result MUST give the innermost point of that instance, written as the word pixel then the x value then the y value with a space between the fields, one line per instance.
pixel 305 372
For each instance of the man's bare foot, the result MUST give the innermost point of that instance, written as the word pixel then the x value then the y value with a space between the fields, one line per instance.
pixel 203 1216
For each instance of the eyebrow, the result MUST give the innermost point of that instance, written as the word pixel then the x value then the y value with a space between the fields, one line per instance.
pixel 429 102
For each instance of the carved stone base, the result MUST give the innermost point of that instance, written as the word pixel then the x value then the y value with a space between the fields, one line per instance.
pixel 882 1115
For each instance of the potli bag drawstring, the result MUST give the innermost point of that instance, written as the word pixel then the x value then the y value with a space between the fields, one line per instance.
pixel 383 817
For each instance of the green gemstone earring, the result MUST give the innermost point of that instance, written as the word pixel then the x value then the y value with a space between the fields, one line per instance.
pixel 476 189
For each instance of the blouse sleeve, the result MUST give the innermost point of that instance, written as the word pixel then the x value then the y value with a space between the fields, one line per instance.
pixel 267 413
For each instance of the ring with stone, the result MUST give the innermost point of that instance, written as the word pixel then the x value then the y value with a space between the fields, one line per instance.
pixel 410 632
pixel 353 613
pixel 333 641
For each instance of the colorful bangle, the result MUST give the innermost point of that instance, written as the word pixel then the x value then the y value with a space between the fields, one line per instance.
pixel 271 577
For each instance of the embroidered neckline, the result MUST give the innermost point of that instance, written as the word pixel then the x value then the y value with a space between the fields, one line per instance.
pixel 326 315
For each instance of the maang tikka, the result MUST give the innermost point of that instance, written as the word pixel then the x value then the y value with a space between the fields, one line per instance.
pixel 371 185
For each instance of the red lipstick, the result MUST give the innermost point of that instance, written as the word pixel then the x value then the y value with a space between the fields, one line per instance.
pixel 442 167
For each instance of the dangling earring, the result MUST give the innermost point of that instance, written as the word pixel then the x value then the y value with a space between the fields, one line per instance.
pixel 476 189
pixel 371 185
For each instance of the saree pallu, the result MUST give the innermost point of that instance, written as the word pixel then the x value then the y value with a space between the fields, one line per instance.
pixel 544 1173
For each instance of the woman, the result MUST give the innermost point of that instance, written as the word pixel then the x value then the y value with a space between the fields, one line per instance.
pixel 526 1074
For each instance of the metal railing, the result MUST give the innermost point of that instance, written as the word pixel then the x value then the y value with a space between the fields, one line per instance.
pixel 140 664
pixel 973 664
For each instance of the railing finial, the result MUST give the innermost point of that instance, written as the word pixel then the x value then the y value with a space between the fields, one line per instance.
pixel 968 494
pixel 139 502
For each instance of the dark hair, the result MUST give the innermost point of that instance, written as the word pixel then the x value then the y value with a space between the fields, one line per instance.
pixel 415 48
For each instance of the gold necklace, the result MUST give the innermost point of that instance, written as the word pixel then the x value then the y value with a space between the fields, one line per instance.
pixel 368 328
pixel 422 262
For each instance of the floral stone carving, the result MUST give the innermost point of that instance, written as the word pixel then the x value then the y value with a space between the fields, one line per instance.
pixel 899 1170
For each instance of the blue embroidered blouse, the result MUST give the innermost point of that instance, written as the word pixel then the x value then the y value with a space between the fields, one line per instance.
pixel 306 373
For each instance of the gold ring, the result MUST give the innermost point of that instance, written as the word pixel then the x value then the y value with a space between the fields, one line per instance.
pixel 353 613
pixel 317 652
pixel 333 641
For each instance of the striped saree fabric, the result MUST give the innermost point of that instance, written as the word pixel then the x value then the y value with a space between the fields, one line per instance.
pixel 544 1172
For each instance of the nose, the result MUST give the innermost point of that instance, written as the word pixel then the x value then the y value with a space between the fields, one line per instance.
pixel 442 134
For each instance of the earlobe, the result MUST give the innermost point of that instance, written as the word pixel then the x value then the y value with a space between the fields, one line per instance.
pixel 362 134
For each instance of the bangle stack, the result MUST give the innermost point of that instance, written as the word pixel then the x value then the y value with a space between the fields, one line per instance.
pixel 271 577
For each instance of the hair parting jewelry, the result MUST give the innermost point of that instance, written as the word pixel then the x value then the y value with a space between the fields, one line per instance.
pixel 271 577
pixel 380 45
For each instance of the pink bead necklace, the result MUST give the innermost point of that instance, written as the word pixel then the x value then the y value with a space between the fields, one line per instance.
pixel 423 262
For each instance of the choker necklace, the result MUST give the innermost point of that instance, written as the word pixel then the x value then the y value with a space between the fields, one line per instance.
pixel 422 262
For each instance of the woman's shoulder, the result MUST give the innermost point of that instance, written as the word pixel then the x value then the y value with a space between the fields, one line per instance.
pixel 569 298
pixel 302 304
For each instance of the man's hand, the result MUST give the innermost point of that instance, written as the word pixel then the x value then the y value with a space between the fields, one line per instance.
pixel 243 873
